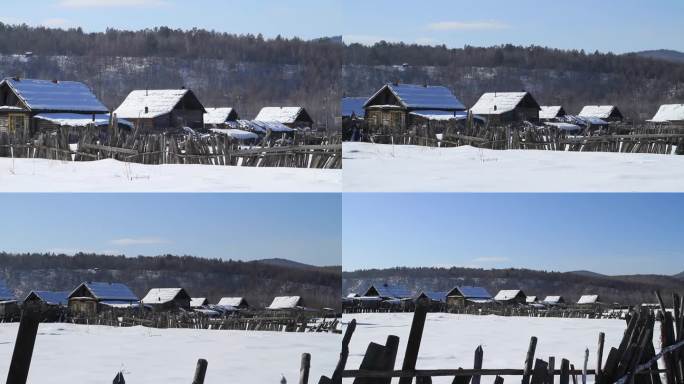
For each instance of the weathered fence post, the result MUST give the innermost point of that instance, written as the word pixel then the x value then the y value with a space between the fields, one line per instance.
pixel 415 337
pixel 529 360
pixel 304 368
pixel 200 371
pixel 23 348
pixel 337 374
pixel 599 356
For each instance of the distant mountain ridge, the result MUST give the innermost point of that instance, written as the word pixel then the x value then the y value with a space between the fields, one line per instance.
pixel 628 290
pixel 286 263
pixel 663 54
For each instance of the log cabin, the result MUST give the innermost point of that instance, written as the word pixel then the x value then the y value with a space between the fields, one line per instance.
pixel 551 112
pixel 510 297
pixel 235 302
pixel 463 296
pixel 387 292
pixel 93 297
pixel 607 113
pixel 292 117
pixel 672 114
pixel 220 118
pixel 162 110
pixel 506 107
pixel 166 299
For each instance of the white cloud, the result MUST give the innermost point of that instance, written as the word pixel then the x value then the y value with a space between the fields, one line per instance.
pixel 491 259
pixel 126 241
pixel 466 25
pixel 110 3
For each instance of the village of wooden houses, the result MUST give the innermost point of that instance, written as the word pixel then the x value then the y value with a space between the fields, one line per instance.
pixel 432 115
pixel 64 120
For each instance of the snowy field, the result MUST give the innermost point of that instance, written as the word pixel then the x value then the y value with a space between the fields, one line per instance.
pixel 450 340
pixel 41 175
pixel 403 168
pixel 67 353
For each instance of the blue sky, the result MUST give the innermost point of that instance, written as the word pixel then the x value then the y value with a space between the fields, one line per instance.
pixel 301 227
pixel 606 25
pixel 605 233
pixel 304 18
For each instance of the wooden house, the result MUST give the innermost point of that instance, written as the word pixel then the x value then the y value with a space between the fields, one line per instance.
pixel 669 114
pixel 293 117
pixel 92 297
pixel 286 303
pixel 510 297
pixel 220 117
pixel 352 117
pixel 49 298
pixel 551 112
pixel 159 110
pixel 398 106
pixel 463 296
pixel 607 113
pixel 530 299
pixel 505 107
pixel 198 302
pixel 167 299
pixel 588 300
pixel 30 105
pixel 553 300
pixel 9 306
pixel 234 302
pixel 388 292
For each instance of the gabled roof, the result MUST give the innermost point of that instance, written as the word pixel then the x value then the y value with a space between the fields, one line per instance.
pixel 217 115
pixel 158 102
pixel 600 111
pixel 530 299
pixel 50 297
pixel 469 292
pixel 284 115
pixel 435 296
pixel 47 95
pixel 285 302
pixel 508 294
pixel 413 96
pixel 553 299
pixel 588 299
pixel 669 112
pixel 196 302
pixel 496 103
pixel 232 301
pixel 353 105
pixel 108 291
pixel 389 291
pixel 5 293
pixel 549 111
pixel 163 295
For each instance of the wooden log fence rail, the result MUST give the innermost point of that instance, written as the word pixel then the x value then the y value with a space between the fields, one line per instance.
pixel 634 360
pixel 305 151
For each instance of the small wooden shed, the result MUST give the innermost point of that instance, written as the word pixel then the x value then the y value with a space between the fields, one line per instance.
pixel 463 296
pixel 607 113
pixel 167 299
pixel 293 117
pixel 160 110
pixel 510 297
pixel 504 107
pixel 92 297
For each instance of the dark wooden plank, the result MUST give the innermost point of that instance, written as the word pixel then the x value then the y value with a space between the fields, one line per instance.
pixel 414 340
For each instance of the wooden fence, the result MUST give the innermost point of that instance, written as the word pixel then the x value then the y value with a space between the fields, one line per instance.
pixel 304 150
pixel 621 138
pixel 633 361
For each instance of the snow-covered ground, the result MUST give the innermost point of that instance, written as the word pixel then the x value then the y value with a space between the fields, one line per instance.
pixel 40 175
pixel 67 353
pixel 449 340
pixel 404 168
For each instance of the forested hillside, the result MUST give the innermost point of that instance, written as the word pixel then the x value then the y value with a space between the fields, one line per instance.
pixel 632 290
pixel 212 278
pixel 637 84
pixel 245 71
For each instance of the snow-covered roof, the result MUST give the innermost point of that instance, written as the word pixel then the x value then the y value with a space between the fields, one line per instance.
pixel 415 96
pixel 549 111
pixel 352 295
pixel 236 133
pixel 507 294
pixel 588 299
pixel 157 101
pixel 565 126
pixel 531 299
pixel 495 103
pixel 217 115
pixel 669 112
pixel 353 105
pixel 470 292
pixel 161 295
pixel 108 291
pixel 600 111
pixel 285 302
pixel 47 95
pixel 196 302
pixel 79 119
pixel 553 299
pixel 284 115
pixel 584 121
pixel 11 108
pixel 231 301
pixel 51 297
pixel 5 293
pixel 263 126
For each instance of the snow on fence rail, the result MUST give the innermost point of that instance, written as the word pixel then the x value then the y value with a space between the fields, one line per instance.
pixel 634 360
pixel 303 151
pixel 620 138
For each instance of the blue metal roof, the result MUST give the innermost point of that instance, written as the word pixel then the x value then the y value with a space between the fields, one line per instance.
pixel 5 293
pixel 111 291
pixel 46 95
pixel 393 291
pixel 474 292
pixel 353 105
pixel 436 296
pixel 426 96
pixel 53 297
